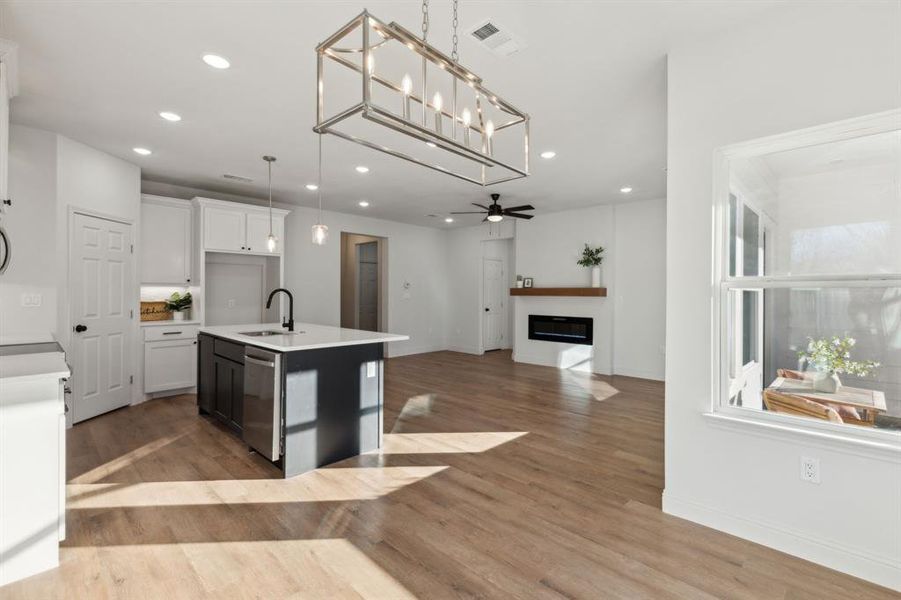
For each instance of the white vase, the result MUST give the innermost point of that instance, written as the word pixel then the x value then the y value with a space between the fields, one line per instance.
pixel 596 276
pixel 178 315
pixel 828 383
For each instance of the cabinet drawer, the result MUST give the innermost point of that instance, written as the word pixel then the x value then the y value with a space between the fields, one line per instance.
pixel 158 333
pixel 229 350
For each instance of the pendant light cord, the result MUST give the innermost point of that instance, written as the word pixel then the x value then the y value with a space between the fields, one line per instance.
pixel 269 162
pixel 319 177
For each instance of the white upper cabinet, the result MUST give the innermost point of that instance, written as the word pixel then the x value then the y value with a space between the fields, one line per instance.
pixel 258 232
pixel 224 229
pixel 166 240
pixel 233 227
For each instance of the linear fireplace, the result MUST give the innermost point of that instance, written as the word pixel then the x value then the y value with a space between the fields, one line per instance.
pixel 571 330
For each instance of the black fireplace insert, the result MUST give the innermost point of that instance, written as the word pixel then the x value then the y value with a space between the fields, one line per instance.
pixel 571 330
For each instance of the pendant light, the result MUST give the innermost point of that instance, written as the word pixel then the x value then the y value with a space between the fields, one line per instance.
pixel 320 231
pixel 271 240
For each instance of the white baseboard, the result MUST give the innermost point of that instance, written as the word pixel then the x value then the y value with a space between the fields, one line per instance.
pixel 858 562
pixel 395 352
pixel 465 349
pixel 639 373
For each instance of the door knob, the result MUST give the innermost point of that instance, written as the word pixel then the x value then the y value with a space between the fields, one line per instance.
pixel 79 328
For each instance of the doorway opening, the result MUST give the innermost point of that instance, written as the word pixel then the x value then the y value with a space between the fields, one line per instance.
pixel 363 276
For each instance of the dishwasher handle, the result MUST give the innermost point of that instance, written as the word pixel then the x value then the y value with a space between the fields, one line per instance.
pixel 257 361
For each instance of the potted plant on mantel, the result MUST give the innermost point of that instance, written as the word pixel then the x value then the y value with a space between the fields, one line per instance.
pixel 831 357
pixel 593 257
pixel 179 305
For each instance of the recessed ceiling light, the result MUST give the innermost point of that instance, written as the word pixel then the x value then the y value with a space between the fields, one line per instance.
pixel 362 169
pixel 363 203
pixel 449 220
pixel 142 151
pixel 216 61
pixel 170 116
pixel 625 190
pixel 312 187
pixel 548 154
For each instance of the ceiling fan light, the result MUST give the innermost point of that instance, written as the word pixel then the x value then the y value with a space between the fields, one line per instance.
pixel 495 218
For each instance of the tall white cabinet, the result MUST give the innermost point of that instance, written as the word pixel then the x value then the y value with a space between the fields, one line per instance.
pixel 8 89
pixel 167 239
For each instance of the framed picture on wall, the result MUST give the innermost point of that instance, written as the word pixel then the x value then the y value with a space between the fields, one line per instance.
pixel 527 282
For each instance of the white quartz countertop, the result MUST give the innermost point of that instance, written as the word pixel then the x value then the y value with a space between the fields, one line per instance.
pixel 20 367
pixel 306 336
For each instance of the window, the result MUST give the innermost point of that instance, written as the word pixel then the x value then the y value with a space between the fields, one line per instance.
pixel 809 293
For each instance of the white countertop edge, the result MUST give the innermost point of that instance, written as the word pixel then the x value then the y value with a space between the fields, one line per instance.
pixel 313 331
pixel 170 322
pixel 20 368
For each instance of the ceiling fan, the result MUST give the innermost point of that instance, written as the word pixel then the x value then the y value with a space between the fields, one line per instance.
pixel 497 213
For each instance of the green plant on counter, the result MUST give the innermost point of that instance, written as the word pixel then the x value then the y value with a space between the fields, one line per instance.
pixel 178 303
pixel 591 257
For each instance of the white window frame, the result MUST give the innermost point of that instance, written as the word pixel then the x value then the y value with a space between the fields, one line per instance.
pixel 723 282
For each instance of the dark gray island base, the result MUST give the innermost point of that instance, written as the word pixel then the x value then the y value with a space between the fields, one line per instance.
pixel 311 407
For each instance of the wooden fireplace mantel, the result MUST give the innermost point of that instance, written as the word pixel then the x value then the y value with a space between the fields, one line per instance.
pixel 560 291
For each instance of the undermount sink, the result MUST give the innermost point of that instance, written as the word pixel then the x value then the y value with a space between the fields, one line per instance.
pixel 267 333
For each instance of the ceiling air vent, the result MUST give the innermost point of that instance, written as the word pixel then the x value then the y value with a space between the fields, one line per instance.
pixel 240 178
pixel 496 38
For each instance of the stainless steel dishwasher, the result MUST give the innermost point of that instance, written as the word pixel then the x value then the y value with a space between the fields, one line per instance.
pixel 262 401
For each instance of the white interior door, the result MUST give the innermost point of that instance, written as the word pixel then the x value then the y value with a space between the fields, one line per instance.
pixel 494 315
pixel 100 279
pixel 368 286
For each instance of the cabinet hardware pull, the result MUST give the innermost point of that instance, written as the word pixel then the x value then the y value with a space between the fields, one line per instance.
pixel 171 332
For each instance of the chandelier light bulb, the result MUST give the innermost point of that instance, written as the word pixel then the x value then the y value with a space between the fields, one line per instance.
pixel 467 120
pixel 489 143
pixel 370 63
pixel 438 103
pixel 406 85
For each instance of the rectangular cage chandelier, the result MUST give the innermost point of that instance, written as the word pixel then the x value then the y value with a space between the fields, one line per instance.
pixel 399 95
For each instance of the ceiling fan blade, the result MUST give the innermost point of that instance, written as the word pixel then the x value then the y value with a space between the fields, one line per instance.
pixel 519 208
pixel 517 215
pixel 479 205
pixel 472 212
pixel 485 219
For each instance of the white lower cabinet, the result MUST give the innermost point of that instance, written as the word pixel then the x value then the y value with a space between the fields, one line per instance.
pixel 170 364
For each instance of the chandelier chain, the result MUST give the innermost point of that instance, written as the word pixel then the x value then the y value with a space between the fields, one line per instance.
pixel 425 20
pixel 454 54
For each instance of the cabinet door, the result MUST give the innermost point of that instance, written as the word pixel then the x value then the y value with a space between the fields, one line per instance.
pixel 170 365
pixel 258 232
pixel 236 420
pixel 166 255
pixel 206 382
pixel 223 229
pixel 223 374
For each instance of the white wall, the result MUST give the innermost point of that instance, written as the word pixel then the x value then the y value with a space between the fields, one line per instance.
pixel 639 289
pixel 820 62
pixel 49 174
pixel 30 224
pixel 464 272
pixel 416 255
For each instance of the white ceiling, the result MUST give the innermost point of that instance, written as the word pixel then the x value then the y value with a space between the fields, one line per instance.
pixel 592 77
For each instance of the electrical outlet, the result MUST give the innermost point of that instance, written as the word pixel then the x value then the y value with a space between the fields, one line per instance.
pixel 230 303
pixel 810 469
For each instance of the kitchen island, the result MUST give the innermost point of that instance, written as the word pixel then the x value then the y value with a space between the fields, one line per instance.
pixel 302 399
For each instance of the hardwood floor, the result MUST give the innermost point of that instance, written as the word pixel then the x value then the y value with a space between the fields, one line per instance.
pixel 497 480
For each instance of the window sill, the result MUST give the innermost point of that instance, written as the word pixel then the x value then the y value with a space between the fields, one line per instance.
pixel 880 445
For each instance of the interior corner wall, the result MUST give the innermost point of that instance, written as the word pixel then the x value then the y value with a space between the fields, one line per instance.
pixel 821 62
pixel 417 287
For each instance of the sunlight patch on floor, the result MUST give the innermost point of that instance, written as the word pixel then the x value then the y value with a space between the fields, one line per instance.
pixel 125 460
pixel 591 383
pixel 321 485
pixel 316 568
pixel 445 443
